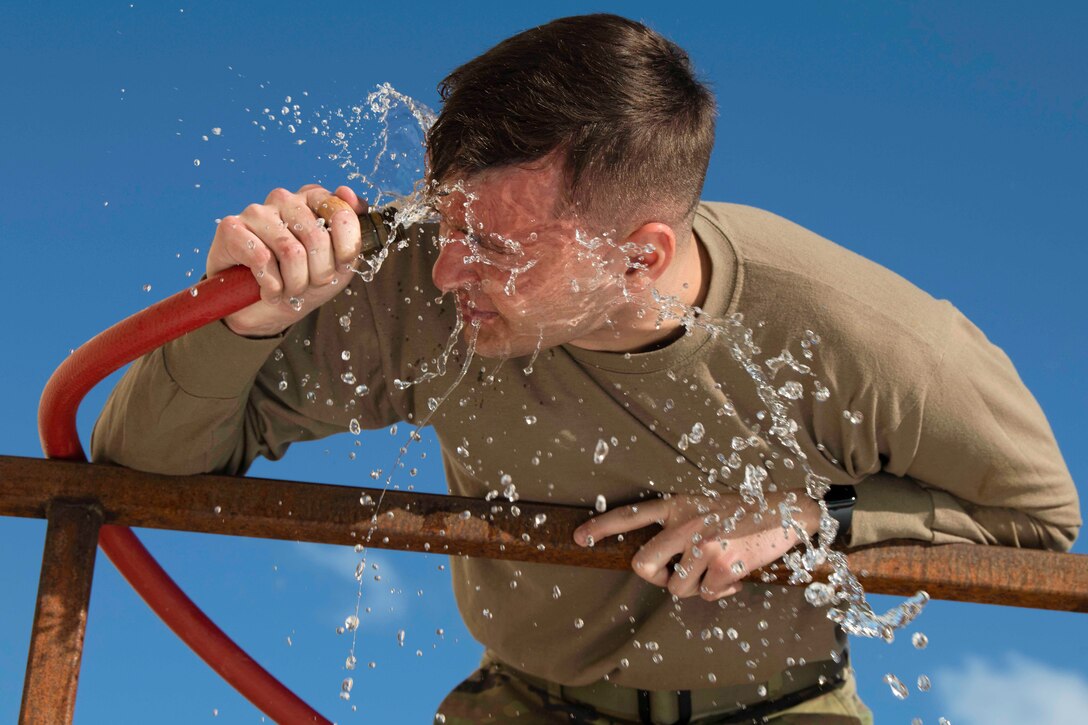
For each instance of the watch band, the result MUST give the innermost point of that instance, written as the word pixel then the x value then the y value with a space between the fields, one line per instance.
pixel 840 501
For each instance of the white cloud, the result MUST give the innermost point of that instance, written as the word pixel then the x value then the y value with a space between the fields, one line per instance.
pixel 1014 692
pixel 342 561
pixel 385 605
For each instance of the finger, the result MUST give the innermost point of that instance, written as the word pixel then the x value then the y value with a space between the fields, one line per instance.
pixel 653 561
pixel 245 248
pixel 299 221
pixel 723 572
pixel 727 592
pixel 359 206
pixel 292 259
pixel 687 574
pixel 621 520
pixel 342 221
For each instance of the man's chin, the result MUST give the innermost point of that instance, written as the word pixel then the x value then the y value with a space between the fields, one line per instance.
pixel 489 344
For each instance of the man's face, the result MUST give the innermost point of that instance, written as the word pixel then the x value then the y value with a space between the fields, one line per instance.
pixel 527 277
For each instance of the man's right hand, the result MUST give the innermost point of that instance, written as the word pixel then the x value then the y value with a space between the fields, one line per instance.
pixel 299 261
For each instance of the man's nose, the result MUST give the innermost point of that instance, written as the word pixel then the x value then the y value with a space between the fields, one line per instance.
pixel 450 272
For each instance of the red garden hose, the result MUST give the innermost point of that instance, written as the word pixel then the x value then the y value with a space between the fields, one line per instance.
pixel 145 331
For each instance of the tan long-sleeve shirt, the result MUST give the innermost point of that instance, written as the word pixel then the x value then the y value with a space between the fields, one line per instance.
pixel 927 417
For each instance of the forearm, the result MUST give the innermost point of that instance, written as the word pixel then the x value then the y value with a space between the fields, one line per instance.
pixel 186 407
pixel 893 507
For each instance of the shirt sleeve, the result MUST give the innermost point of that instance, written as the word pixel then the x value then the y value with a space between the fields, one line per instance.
pixel 195 406
pixel 973 461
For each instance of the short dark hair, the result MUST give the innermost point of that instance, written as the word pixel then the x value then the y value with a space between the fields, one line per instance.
pixel 619 103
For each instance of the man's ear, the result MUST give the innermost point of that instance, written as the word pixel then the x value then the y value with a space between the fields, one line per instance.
pixel 648 251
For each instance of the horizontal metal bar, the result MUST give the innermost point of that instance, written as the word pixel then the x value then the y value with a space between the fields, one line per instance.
pixel 436 523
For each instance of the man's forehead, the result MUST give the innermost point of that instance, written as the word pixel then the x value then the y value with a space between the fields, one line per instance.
pixel 516 197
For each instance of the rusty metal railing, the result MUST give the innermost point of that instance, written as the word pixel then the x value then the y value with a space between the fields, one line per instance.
pixel 76 498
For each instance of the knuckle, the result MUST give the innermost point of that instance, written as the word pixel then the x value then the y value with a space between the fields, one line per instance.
pixel 253 210
pixel 278 195
pixel 290 249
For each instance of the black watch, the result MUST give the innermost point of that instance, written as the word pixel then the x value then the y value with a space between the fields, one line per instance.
pixel 840 502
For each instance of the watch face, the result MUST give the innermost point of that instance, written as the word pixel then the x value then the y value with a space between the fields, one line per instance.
pixel 840 497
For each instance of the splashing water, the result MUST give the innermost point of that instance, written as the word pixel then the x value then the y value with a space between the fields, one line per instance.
pixel 392 176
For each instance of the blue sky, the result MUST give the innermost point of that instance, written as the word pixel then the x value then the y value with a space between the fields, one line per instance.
pixel 947 141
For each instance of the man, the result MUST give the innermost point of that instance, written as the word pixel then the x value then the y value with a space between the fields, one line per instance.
pixel 701 366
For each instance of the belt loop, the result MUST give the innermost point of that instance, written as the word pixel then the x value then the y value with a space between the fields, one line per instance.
pixel 683 698
pixel 683 706
pixel 644 715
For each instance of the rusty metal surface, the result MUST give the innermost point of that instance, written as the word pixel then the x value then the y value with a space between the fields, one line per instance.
pixel 60 616
pixel 463 526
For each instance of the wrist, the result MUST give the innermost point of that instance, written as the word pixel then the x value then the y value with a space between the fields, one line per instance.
pixel 263 332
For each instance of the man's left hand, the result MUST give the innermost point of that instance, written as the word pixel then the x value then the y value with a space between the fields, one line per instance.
pixel 713 558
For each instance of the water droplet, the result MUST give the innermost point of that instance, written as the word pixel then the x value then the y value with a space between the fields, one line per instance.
pixel 737 567
pixel 400 637
pixel 697 433
pixel 348 377
pixel 819 391
pixel 361 390
pixel 819 594
pixel 600 451
pixel 897 687
pixel 601 504
pixel 354 427
pixel 530 420
pixel 218 510
pixel 196 162
pixel 556 593
pixel 147 288
pixel 351 623
pixel 539 519
pixel 510 491
pixel 923 683
pixel 578 623
pixel 792 390
pixel 919 640
pixel 854 418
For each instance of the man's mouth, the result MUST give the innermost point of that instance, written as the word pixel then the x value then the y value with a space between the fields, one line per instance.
pixel 470 310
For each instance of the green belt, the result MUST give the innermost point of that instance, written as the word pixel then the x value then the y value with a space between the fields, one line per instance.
pixel 738 703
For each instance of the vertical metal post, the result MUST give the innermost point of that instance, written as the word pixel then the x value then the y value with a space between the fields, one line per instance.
pixel 60 617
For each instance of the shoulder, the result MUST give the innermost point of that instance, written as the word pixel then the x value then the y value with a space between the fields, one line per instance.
pixel 789 270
